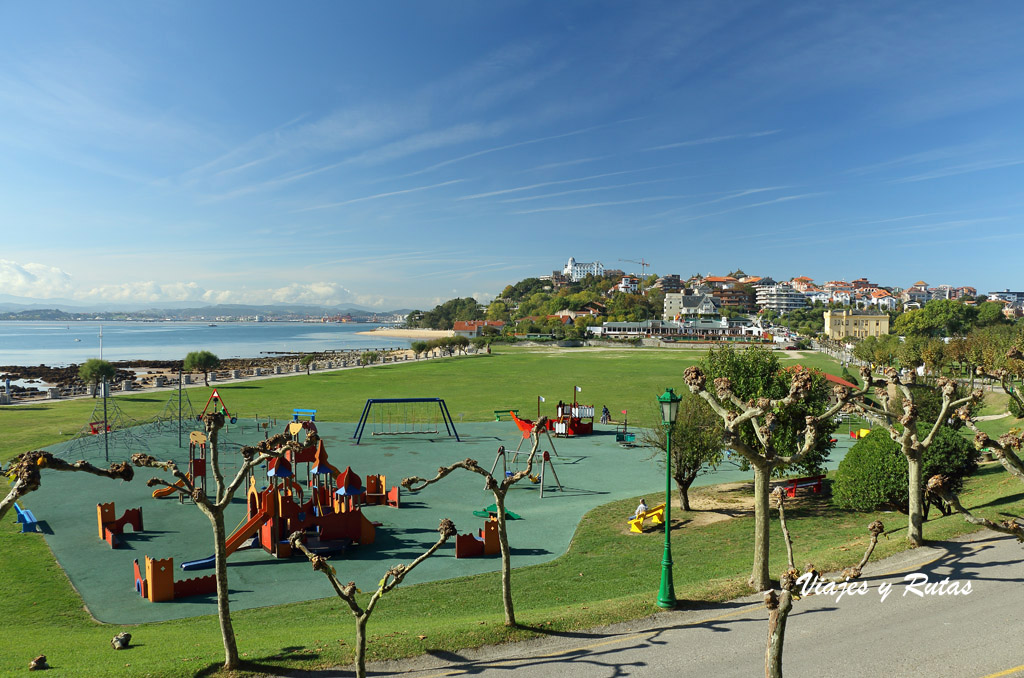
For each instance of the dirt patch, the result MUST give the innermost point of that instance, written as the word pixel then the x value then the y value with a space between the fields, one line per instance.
pixel 716 503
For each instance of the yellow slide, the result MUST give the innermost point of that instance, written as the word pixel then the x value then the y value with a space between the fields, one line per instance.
pixel 168 491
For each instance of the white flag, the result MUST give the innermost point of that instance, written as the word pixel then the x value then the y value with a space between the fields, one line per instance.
pixel 541 398
pixel 578 389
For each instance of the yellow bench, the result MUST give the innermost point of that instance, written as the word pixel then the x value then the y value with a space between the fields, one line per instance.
pixel 656 514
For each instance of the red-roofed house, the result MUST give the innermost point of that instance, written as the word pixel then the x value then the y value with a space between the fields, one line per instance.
pixel 471 328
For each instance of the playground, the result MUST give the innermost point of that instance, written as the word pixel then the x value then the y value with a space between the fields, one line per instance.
pixel 585 471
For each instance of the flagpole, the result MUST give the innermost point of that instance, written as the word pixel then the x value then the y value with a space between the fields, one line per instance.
pixel 538 407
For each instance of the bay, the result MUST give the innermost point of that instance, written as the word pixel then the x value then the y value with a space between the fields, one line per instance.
pixel 54 343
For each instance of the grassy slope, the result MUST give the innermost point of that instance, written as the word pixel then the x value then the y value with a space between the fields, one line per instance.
pixel 607 575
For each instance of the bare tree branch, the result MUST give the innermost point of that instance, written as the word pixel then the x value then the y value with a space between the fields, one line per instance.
pixel 938 485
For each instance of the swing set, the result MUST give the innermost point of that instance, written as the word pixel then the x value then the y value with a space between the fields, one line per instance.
pixel 404 416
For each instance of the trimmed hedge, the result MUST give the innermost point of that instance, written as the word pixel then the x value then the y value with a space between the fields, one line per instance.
pixel 873 475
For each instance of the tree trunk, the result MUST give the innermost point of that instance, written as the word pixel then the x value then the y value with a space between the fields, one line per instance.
pixel 683 485
pixel 360 658
pixel 915 509
pixel 506 562
pixel 227 632
pixel 777 636
pixel 206 378
pixel 759 577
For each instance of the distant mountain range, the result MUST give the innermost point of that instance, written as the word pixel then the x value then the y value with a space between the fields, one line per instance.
pixel 13 304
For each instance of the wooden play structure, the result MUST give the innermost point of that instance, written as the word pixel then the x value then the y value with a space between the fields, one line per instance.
pixel 655 513
pixel 159 586
pixel 404 416
pixel 111 528
pixel 484 543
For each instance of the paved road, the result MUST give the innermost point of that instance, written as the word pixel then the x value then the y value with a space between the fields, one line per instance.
pixel 951 636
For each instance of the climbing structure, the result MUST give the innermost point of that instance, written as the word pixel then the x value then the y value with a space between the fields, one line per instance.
pixel 120 436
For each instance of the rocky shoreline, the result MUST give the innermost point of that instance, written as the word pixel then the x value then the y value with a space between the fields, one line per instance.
pixel 142 373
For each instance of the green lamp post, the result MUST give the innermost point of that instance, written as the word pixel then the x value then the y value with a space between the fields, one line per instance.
pixel 669 402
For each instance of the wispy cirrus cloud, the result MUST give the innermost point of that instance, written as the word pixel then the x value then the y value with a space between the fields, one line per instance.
pixel 591 189
pixel 956 170
pixel 713 140
pixel 608 203
pixel 379 196
pixel 559 182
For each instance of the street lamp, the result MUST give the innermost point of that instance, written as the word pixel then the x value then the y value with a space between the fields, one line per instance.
pixel 669 402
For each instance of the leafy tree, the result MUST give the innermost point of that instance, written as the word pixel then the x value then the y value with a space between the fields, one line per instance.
pixel 873 475
pixel 444 316
pixel 307 361
pixel 774 419
pixel 201 361
pixel 94 371
pixel 369 358
pixel 697 444
pixel 479 343
pixel 990 313
pixel 418 348
pixel 937 318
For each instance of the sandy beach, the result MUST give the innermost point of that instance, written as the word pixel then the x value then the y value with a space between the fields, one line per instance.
pixel 408 334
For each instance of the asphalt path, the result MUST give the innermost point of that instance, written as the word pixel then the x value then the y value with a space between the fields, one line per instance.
pixel 973 635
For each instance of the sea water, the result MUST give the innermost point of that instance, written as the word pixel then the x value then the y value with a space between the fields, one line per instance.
pixel 60 343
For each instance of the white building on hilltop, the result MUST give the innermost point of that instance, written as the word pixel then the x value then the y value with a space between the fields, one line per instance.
pixel 577 270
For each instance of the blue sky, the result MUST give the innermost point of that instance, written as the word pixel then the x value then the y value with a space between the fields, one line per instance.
pixel 397 154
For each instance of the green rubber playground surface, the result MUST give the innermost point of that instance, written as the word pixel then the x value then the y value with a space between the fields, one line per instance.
pixel 592 470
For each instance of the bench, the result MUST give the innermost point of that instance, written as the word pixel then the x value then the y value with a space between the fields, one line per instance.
pixel 27 519
pixel 813 482
pixel 498 414
pixel 625 439
pixel 655 513
pixel 299 412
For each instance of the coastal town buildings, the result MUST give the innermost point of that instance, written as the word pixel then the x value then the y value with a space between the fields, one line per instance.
pixel 782 298
pixel 688 303
pixel 859 324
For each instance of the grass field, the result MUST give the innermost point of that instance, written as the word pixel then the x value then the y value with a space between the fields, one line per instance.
pixel 607 574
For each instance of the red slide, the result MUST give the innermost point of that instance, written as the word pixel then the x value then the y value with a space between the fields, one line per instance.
pixel 247 530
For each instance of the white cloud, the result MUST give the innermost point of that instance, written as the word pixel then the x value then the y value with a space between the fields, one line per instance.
pixel 33 280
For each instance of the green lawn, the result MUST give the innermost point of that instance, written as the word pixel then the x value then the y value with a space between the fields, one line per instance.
pixel 607 575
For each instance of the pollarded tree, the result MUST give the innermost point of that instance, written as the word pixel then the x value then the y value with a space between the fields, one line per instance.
pixel 201 361
pixel 905 431
pixel 347 592
pixel 25 471
pixel 499 488
pixel 214 508
pixel 94 371
pixel 774 419
pixel 697 437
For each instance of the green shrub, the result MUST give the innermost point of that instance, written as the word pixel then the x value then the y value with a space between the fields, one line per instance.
pixel 1015 409
pixel 873 475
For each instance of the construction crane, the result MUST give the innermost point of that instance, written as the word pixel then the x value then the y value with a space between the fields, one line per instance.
pixel 643 265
